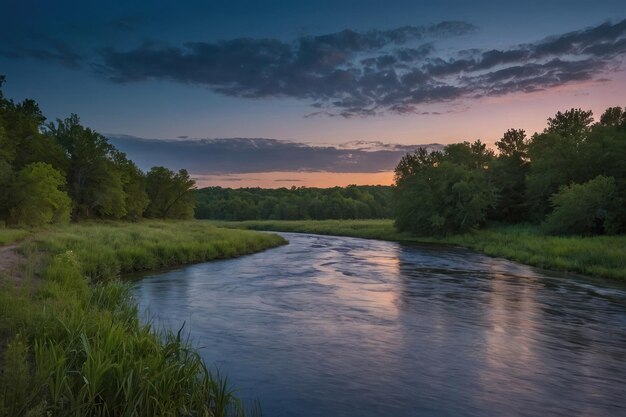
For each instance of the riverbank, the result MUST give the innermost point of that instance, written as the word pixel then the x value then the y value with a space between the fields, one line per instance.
pixel 601 256
pixel 71 341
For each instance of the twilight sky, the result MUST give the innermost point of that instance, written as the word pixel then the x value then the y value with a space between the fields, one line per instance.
pixel 337 90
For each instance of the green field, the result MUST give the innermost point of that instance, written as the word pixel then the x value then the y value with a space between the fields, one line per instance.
pixel 71 342
pixel 602 256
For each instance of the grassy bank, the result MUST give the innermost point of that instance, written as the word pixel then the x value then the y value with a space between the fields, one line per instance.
pixel 12 235
pixel 70 339
pixel 603 256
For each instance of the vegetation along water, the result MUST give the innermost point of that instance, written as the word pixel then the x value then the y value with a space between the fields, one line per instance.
pixel 76 214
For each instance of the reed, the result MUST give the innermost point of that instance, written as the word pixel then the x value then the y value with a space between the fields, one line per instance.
pixel 72 343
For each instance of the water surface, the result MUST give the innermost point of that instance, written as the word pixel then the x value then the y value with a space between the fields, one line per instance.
pixel 336 326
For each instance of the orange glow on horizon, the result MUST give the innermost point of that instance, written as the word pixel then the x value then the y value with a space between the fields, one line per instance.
pixel 297 179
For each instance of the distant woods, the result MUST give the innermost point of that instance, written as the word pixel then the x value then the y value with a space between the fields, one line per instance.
pixel 570 178
pixel 352 202
pixel 54 172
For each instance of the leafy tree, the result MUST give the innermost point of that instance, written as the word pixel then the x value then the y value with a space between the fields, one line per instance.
pixel 94 182
pixel 171 194
pixel 134 186
pixel 584 209
pixel 37 197
pixel 556 157
pixel 508 175
pixel 614 117
pixel 296 203
pixel 573 124
pixel 445 192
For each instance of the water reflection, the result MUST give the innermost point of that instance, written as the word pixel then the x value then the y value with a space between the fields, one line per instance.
pixel 349 327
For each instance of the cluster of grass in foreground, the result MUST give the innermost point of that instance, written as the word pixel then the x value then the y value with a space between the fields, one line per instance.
pixel 602 256
pixel 74 348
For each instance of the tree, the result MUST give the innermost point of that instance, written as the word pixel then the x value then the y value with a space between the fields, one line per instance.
pixel 584 209
pixel 556 158
pixel 445 192
pixel 508 175
pixel 614 117
pixel 573 123
pixel 37 197
pixel 94 182
pixel 134 186
pixel 171 194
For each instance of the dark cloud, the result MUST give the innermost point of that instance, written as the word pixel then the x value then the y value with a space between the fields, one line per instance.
pixel 44 48
pixel 245 155
pixel 351 74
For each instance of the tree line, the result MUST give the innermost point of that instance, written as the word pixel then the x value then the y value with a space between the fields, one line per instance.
pixel 296 203
pixel 570 178
pixel 52 172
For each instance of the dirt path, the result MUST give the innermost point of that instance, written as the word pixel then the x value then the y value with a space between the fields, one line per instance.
pixel 10 262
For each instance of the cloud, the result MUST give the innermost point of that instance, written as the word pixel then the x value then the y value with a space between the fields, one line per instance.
pixel 44 48
pixel 351 73
pixel 250 155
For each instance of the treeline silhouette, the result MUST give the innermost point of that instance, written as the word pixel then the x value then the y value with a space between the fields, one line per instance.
pixel 302 203
pixel 570 179
pixel 51 172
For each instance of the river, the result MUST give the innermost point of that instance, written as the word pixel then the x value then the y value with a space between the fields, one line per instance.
pixel 337 326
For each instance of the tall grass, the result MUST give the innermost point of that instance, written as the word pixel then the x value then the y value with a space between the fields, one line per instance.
pixel 74 349
pixel 12 235
pixel 602 256
pixel 107 250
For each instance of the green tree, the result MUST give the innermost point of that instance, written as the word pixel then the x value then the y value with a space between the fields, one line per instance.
pixel 508 175
pixel 556 158
pixel 573 123
pixel 37 197
pixel 134 186
pixel 445 192
pixel 94 181
pixel 171 194
pixel 584 209
pixel 614 117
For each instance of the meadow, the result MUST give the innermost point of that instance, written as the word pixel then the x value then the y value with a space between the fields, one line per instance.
pixel 601 256
pixel 71 341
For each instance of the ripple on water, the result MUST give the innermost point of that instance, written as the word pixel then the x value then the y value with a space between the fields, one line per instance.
pixel 350 327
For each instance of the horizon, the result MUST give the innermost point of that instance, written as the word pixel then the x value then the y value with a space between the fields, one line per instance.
pixel 330 75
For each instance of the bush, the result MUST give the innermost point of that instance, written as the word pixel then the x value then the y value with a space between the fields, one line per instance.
pixel 584 209
pixel 37 198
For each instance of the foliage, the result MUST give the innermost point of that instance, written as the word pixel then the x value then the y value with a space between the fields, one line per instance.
pixel 584 209
pixel 352 202
pixel 508 175
pixel 100 180
pixel 446 192
pixel 78 349
pixel 526 177
pixel 108 250
pixel 565 155
pixel 93 180
pixel 37 198
pixel 171 194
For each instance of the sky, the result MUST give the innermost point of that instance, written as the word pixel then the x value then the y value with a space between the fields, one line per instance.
pixel 282 93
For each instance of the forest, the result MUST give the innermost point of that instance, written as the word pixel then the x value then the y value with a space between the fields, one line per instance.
pixel 301 203
pixel 570 179
pixel 61 170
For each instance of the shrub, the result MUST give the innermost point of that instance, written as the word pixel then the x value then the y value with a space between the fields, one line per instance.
pixel 584 209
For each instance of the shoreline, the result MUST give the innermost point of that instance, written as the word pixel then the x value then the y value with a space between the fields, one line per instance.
pixel 71 336
pixel 598 256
